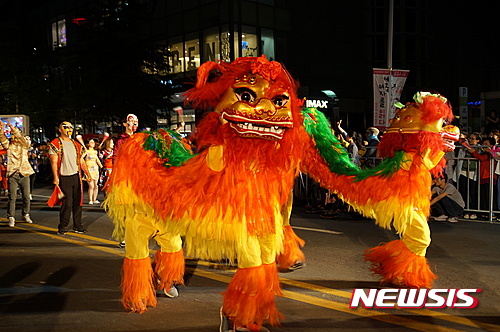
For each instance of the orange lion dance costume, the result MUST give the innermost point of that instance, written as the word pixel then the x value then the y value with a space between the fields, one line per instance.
pixel 231 200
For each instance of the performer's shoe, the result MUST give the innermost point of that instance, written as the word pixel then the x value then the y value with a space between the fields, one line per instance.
pixel 227 325
pixel 121 244
pixel 296 266
pixel 172 292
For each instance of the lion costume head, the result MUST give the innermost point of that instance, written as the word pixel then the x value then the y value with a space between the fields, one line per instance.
pixel 418 126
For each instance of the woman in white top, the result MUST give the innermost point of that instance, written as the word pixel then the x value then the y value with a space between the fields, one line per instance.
pixel 93 164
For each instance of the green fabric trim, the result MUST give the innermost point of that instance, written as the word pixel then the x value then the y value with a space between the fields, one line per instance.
pixel 336 156
pixel 328 146
pixel 170 149
pixel 386 168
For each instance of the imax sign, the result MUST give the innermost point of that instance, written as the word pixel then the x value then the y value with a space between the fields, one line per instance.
pixel 316 103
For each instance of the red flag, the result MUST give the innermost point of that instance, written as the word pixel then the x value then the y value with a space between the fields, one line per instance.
pixel 56 197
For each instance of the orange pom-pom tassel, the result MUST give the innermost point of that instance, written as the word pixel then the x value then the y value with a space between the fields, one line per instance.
pixel 169 268
pixel 399 266
pixel 137 285
pixel 291 249
pixel 249 299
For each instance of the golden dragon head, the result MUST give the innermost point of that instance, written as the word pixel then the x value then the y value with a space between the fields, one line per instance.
pixel 255 97
pixel 424 118
pixel 427 112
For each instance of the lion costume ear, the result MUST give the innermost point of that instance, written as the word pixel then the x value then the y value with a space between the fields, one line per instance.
pixel 207 92
pixel 209 72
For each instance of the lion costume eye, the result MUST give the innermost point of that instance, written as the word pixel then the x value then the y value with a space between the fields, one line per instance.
pixel 280 100
pixel 245 94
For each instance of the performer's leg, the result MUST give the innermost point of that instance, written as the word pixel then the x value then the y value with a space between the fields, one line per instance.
pixel 169 261
pixel 402 262
pixel 291 245
pixel 249 299
pixel 77 198
pixel 138 286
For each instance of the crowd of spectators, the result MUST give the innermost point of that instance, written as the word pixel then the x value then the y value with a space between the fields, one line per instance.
pixel 472 169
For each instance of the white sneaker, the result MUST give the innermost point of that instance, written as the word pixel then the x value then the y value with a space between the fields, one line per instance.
pixel 91 202
pixel 441 218
pixel 473 216
pixel 96 202
pixel 452 219
pixel 172 292
pixel 27 219
pixel 12 221
pixel 31 197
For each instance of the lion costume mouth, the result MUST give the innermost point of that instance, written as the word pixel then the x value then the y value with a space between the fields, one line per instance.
pixel 269 128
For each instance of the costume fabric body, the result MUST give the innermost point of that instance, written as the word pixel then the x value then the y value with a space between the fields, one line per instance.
pixel 232 200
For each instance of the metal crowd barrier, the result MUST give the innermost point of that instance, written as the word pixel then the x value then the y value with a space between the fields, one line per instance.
pixel 453 171
pixel 469 188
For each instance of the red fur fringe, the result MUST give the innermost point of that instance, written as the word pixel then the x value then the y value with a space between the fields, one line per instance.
pixel 433 109
pixel 137 285
pixel 399 266
pixel 169 268
pixel 291 249
pixel 249 298
pixel 418 143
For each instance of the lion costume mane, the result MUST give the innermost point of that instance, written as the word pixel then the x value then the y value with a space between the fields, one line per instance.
pixel 232 198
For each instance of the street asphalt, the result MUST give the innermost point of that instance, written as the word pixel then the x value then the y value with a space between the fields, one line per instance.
pixel 54 283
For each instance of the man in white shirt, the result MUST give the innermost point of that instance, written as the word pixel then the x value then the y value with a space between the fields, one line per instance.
pixel 66 161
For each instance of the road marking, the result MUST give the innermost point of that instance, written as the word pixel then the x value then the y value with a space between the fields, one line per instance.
pixel 317 230
pixel 329 304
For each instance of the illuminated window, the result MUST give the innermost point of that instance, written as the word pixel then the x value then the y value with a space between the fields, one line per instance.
pixel 249 45
pixel 192 52
pixel 211 45
pixel 225 52
pixel 184 56
pixel 59 34
pixel 267 43
pixel 176 58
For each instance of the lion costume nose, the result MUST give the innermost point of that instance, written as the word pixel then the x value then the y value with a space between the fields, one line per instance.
pixel 265 107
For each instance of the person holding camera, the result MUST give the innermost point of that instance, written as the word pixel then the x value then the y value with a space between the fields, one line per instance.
pixel 18 172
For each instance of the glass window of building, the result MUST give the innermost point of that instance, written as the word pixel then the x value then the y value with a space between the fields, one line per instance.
pixel 249 45
pixel 267 43
pixel 192 52
pixel 225 45
pixel 176 58
pixel 59 34
pixel 211 45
